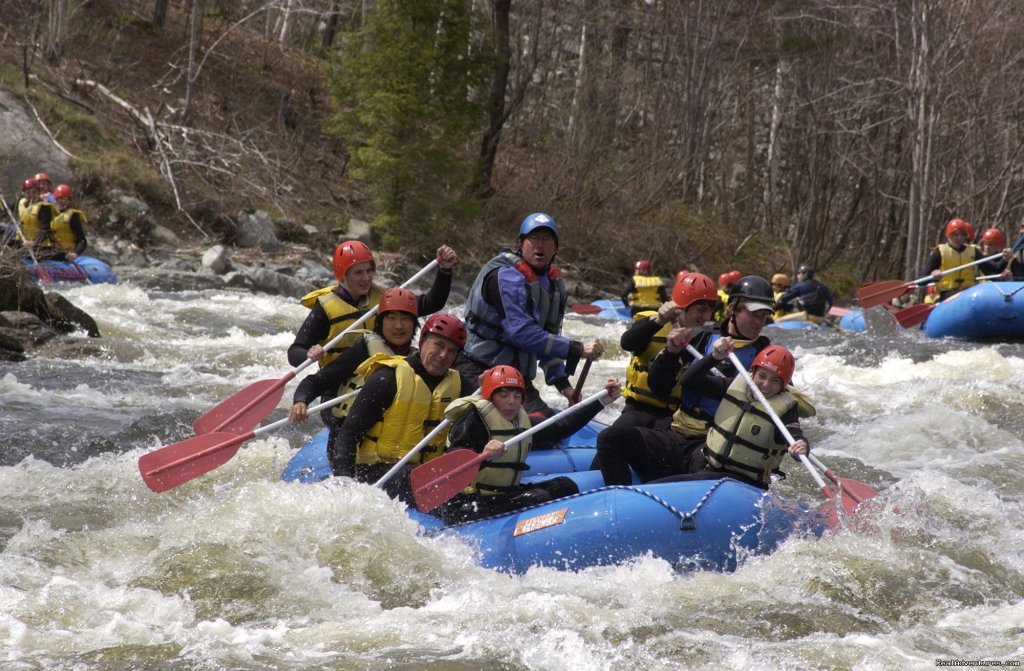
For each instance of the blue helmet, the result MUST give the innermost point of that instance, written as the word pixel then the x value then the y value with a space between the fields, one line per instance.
pixel 538 220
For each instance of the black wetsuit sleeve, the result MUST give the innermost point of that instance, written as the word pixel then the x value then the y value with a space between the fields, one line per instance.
pixel 78 230
pixel 373 400
pixel 45 224
pixel 791 420
pixel 314 330
pixel 629 290
pixel 933 262
pixel 665 369
pixel 469 432
pixel 638 336
pixel 437 295
pixel 699 379
pixel 567 424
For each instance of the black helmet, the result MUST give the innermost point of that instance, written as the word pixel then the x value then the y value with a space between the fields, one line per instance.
pixel 753 289
pixel 806 271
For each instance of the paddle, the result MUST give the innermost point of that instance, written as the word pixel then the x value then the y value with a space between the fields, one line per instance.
pixel 577 392
pixel 176 464
pixel 247 408
pixel 849 501
pixel 440 479
pixel 877 293
pixel 43 275
pixel 441 426
pixel 585 308
pixel 913 315
pixel 857 490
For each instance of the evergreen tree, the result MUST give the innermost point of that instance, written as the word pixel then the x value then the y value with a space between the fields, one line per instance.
pixel 411 88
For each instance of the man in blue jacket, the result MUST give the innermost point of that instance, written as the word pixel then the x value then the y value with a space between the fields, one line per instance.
pixel 808 296
pixel 514 315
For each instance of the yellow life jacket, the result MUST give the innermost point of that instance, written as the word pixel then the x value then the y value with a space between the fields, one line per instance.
pixel 741 439
pixel 61 231
pixel 723 300
pixel 341 314
pixel 780 312
pixel 414 413
pixel 30 222
pixel 24 208
pixel 645 293
pixel 951 258
pixel 637 370
pixel 378 349
pixel 501 474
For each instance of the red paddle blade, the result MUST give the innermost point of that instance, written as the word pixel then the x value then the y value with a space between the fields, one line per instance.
pixel 877 293
pixel 440 479
pixel 245 409
pixel 853 493
pixel 585 308
pixel 914 315
pixel 176 464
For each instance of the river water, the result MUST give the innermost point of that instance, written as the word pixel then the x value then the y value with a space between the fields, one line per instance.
pixel 238 570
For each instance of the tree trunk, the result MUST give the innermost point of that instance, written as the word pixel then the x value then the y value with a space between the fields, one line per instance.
pixel 193 48
pixel 160 13
pixel 921 116
pixel 286 22
pixel 497 116
pixel 330 25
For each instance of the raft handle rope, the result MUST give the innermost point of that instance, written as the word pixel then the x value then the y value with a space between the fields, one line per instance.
pixel 1007 297
pixel 687 521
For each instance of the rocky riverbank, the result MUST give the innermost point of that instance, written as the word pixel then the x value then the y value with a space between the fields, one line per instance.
pixel 38 316
pixel 34 316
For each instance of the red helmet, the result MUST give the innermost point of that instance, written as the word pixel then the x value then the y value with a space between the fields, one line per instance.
pixel 349 253
pixel 42 177
pixel 398 300
pixel 959 226
pixel 498 377
pixel 62 191
pixel 445 325
pixel 642 266
pixel 776 359
pixel 29 184
pixel 693 287
pixel 994 236
pixel 731 277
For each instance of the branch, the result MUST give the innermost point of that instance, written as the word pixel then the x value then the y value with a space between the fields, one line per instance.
pixel 58 145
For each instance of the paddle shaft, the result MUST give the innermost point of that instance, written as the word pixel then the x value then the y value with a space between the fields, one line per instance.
pixel 237 440
pixel 833 477
pixel 369 313
pixel 413 452
pixel 577 392
pixel 698 356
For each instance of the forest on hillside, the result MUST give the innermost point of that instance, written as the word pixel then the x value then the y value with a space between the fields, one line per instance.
pixel 772 132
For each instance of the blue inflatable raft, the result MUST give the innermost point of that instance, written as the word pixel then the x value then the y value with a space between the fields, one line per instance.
pixel 613 309
pixel 986 311
pixel 704 524
pixel 576 453
pixel 698 525
pixel 84 270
